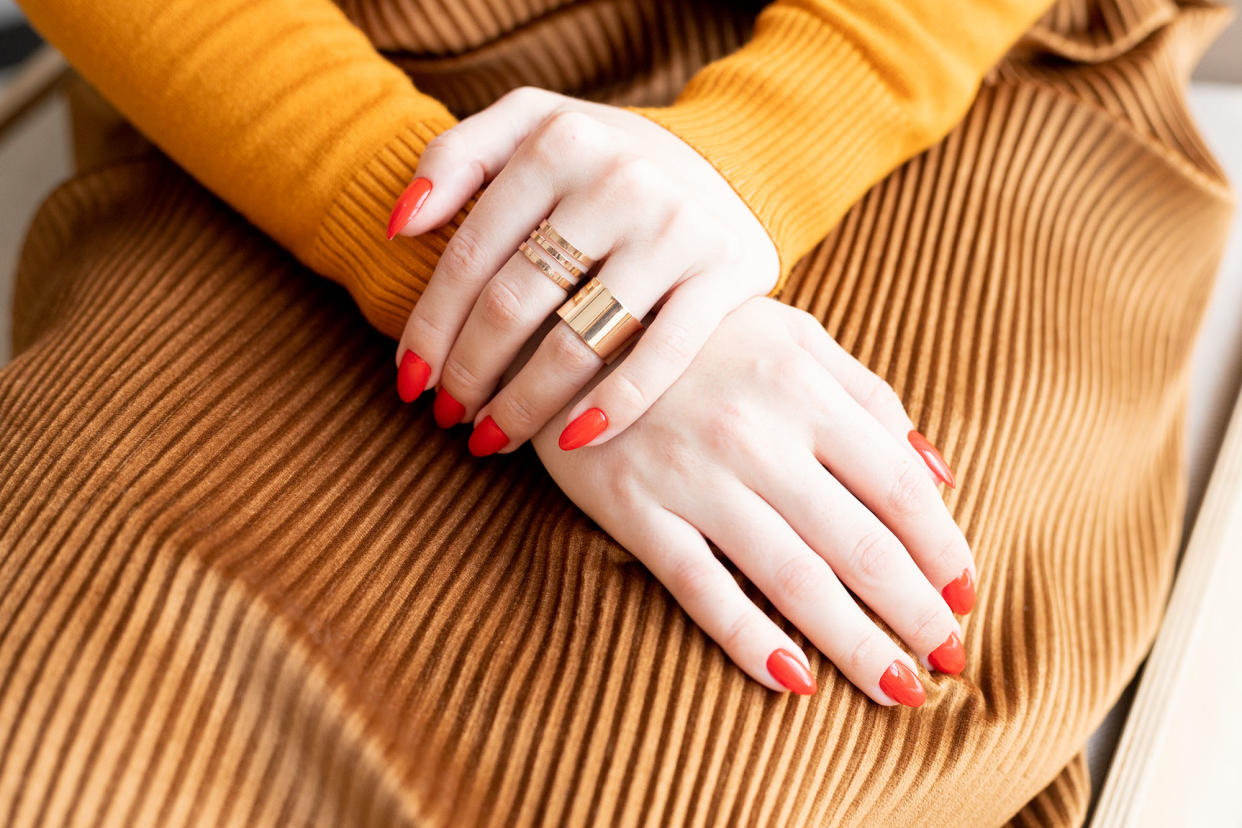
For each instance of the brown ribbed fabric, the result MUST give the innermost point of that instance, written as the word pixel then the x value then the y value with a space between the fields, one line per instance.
pixel 241 584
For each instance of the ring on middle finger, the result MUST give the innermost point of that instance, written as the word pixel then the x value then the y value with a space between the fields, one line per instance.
pixel 600 319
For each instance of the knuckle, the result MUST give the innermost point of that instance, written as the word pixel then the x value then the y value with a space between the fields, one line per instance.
pixel 524 95
pixel 800 579
pixel 872 556
pixel 570 354
pixel 628 395
pixel 863 654
pixel 563 134
pixel 631 179
pixel 518 414
pixel 680 461
pixel 464 255
pixel 953 554
pixel 690 579
pixel 682 225
pixel 728 426
pixel 880 395
pixel 424 333
pixel 907 491
pixel 463 381
pixel 674 346
pixel 624 492
pixel 929 621
pixel 499 305
pixel 733 636
pixel 445 143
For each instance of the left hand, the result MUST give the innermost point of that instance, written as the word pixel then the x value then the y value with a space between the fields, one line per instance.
pixel 668 232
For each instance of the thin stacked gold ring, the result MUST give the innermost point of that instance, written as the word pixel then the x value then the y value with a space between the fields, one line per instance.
pixel 545 268
pixel 547 230
pixel 571 260
pixel 574 266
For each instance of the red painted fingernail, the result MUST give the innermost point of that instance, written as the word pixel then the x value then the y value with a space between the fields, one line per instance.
pixel 585 427
pixel 412 376
pixel 790 672
pixel 903 686
pixel 487 438
pixel 408 203
pixel 933 459
pixel 949 657
pixel 448 411
pixel 959 593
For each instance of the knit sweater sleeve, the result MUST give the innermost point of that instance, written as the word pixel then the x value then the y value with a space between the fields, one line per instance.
pixel 829 96
pixel 287 112
pixel 283 109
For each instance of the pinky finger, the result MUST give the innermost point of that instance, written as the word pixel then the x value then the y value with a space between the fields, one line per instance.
pixel 680 558
pixel 692 311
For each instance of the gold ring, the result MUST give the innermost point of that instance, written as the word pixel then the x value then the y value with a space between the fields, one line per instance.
pixel 545 268
pixel 547 230
pixel 560 258
pixel 603 323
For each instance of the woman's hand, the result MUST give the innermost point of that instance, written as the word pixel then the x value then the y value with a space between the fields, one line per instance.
pixel 668 230
pixel 803 468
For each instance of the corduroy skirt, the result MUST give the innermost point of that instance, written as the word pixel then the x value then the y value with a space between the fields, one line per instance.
pixel 240 583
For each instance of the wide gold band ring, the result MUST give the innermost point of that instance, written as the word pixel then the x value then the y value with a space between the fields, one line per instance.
pixel 603 323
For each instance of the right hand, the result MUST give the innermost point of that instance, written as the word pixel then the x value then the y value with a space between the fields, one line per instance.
pixel 794 459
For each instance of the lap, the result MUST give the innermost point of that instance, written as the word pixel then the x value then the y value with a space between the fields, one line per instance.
pixel 244 583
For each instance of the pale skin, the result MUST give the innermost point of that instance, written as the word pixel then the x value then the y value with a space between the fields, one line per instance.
pixel 667 227
pixel 803 480
pixel 734 419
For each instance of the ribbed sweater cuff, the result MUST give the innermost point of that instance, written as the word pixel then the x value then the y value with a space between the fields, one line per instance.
pixel 798 122
pixel 384 277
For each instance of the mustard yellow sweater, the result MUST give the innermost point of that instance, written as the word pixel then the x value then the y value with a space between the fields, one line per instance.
pixel 287 112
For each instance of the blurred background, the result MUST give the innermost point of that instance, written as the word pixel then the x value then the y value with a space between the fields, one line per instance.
pixel 1199 766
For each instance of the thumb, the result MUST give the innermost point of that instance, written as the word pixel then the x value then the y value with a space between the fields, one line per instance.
pixel 463 158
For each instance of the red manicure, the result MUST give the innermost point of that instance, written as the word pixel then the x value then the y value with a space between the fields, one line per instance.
pixel 412 376
pixel 902 686
pixel 448 411
pixel 959 593
pixel 949 657
pixel 933 459
pixel 790 672
pixel 487 438
pixel 408 203
pixel 586 427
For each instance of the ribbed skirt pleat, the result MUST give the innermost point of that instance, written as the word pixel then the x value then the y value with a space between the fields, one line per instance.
pixel 240 583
